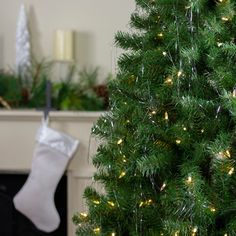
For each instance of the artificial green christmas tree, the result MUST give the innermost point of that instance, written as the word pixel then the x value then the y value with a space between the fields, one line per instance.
pixel 167 162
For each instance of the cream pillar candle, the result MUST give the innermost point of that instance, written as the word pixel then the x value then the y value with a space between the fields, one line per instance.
pixel 64 45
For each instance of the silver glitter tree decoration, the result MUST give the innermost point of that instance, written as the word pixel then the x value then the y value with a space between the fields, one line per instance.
pixel 23 48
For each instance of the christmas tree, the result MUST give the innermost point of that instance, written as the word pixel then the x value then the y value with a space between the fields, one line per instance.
pixel 167 162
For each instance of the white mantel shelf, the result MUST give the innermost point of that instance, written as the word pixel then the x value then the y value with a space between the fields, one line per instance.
pixel 54 115
pixel 17 141
pixel 18 129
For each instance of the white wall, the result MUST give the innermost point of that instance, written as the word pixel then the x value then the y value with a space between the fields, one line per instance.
pixel 95 23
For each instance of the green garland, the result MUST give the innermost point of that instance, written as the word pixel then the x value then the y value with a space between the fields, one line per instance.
pixel 78 91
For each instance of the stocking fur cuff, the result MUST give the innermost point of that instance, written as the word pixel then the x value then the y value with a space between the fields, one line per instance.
pixel 57 140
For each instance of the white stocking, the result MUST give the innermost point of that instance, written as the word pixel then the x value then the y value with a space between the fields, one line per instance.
pixel 36 198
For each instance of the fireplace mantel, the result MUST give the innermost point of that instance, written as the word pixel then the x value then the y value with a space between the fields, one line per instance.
pixel 17 140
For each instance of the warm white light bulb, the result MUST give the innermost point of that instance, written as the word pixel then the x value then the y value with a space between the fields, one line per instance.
pixel 178 141
pixel 231 171
pixel 213 209
pixel 119 141
pixel 166 116
pixel 168 81
pixel 179 73
pixel 111 203
pixel 96 230
pixel 189 179
pixel 234 93
pixel 84 214
pixel 163 186
pixel 154 112
pixel 97 202
pixel 177 233
pixel 224 18
pixel 122 174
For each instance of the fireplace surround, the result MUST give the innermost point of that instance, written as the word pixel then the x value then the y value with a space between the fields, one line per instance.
pixel 17 140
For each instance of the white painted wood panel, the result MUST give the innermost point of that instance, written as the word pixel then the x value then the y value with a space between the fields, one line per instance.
pixel 17 141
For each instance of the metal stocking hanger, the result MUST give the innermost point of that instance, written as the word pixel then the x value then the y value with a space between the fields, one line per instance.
pixel 48 97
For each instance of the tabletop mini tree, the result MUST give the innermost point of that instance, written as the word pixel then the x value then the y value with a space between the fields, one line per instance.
pixel 167 162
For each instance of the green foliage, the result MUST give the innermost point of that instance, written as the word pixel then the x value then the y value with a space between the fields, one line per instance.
pixel 168 157
pixel 10 88
pixel 79 95
pixel 82 93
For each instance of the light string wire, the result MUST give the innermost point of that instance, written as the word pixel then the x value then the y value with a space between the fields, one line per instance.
pixel 190 15
pixel 177 44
